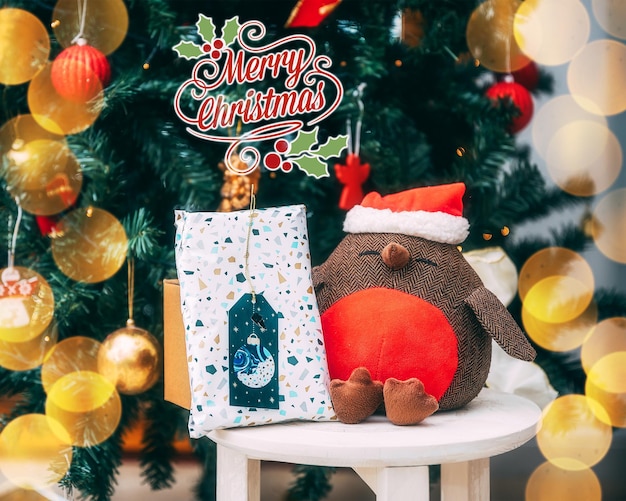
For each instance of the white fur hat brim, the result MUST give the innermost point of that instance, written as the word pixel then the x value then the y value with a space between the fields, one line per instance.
pixel 437 226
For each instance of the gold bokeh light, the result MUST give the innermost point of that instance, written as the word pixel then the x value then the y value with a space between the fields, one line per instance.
pixel 490 36
pixel 584 158
pixel 24 46
pixel 571 436
pixel 87 405
pixel 93 245
pixel 550 483
pixel 598 74
pixel 608 225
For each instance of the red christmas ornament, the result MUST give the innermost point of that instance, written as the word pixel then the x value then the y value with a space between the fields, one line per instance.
pixel 519 96
pixel 80 72
pixel 310 13
pixel 528 76
pixel 352 175
pixel 48 225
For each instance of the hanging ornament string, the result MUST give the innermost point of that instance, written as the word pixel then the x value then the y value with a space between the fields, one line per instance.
pixel 13 239
pixel 353 173
pixel 247 254
pixel 354 140
pixel 81 8
pixel 131 290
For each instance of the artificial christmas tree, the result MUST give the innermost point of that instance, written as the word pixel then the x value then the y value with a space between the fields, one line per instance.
pixel 425 120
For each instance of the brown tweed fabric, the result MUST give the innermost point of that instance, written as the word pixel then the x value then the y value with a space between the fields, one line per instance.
pixel 437 273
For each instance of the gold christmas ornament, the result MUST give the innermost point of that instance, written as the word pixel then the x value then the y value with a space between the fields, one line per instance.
pixel 130 358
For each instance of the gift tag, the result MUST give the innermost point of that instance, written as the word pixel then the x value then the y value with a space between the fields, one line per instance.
pixel 253 353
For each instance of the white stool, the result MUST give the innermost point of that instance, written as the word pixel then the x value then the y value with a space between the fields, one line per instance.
pixel 392 460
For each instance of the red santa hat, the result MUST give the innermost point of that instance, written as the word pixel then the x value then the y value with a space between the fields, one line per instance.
pixel 431 212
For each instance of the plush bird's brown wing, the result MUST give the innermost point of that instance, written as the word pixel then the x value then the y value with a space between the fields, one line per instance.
pixel 499 324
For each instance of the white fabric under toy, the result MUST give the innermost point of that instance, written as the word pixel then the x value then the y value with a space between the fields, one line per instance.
pixel 252 327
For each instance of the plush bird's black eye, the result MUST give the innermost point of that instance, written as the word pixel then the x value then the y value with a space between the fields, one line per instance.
pixel 425 261
pixel 369 253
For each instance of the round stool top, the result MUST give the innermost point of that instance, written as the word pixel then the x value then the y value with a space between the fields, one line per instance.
pixel 491 424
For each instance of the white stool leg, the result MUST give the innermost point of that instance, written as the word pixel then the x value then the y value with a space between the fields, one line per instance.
pixel 468 481
pixel 238 477
pixel 397 483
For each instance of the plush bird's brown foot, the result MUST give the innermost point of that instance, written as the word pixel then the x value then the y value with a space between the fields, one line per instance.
pixel 406 402
pixel 357 398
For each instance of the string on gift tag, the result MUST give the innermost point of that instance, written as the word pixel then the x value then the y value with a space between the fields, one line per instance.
pixel 247 254
pixel 13 239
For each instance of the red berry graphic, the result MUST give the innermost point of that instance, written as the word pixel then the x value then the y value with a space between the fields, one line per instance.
pixel 206 47
pixel 286 166
pixel 281 146
pixel 218 44
pixel 216 54
pixel 272 161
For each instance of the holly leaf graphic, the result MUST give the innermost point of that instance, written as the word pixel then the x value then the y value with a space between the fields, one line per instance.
pixel 313 166
pixel 304 141
pixel 206 28
pixel 332 148
pixel 230 30
pixel 188 50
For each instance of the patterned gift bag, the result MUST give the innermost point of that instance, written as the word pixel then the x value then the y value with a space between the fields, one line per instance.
pixel 252 328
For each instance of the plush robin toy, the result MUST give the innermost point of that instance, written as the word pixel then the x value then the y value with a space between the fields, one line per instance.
pixel 407 322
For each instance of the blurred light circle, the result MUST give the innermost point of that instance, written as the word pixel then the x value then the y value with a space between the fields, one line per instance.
pixel 606 337
pixel 550 483
pixel 24 46
pixel 23 129
pixel 34 451
pixel 23 356
pixel 598 74
pixel 490 36
pixel 554 261
pixel 556 285
pixel 77 353
pixel 608 225
pixel 584 158
pixel 609 373
pixel 92 246
pixel 606 384
pixel 57 114
pixel 87 405
pixel 556 114
pixel 571 436
pixel 611 15
pixel 551 32
pixel 558 299
pixel 44 176
pixel 563 336
pixel 105 23
pixel 26 304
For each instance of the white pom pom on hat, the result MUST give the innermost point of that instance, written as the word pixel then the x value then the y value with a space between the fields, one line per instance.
pixel 431 212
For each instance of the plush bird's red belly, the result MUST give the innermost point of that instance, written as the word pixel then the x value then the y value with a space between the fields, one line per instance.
pixel 393 334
